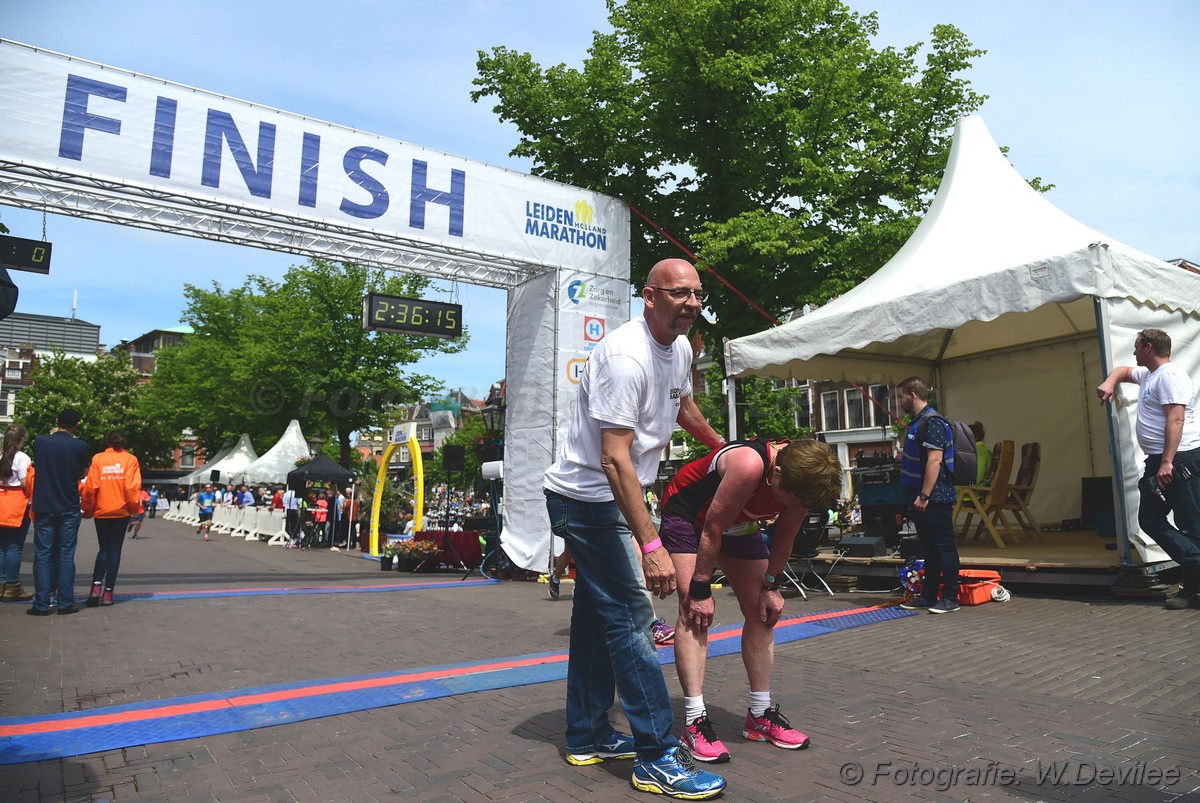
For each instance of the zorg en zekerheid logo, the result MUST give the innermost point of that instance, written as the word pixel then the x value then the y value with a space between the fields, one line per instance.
pixel 580 291
pixel 575 226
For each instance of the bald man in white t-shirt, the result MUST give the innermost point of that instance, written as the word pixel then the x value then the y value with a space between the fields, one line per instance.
pixel 1168 433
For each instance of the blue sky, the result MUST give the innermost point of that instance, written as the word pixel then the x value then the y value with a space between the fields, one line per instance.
pixel 1098 98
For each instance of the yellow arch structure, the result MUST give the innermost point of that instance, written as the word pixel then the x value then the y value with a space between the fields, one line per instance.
pixel 414 452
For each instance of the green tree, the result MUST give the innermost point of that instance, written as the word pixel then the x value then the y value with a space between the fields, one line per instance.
pixel 269 351
pixel 473 436
pixel 108 393
pixel 769 135
pixel 764 411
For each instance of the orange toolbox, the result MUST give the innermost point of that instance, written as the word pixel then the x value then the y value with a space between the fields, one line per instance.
pixel 975 586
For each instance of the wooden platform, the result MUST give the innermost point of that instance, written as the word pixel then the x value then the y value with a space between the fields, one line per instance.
pixel 1077 557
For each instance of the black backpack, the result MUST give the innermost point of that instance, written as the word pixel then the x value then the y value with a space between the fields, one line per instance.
pixel 961 461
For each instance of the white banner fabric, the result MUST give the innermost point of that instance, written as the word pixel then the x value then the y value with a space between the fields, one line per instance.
pixel 106 124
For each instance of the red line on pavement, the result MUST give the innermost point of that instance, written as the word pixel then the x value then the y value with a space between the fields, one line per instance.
pixel 144 714
pixel 268 697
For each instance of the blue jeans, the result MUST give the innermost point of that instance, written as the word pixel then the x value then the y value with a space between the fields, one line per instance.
pixel 55 536
pixel 611 650
pixel 935 534
pixel 110 533
pixel 1181 542
pixel 12 546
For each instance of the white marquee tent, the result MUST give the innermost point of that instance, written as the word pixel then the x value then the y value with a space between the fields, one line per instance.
pixel 230 462
pixel 1015 312
pixel 281 458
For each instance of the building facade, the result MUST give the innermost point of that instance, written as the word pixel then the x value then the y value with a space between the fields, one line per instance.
pixel 24 338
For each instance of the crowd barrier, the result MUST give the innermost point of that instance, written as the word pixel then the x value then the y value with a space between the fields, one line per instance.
pixel 249 523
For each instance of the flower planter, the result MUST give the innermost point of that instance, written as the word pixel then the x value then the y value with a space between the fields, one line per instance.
pixel 385 563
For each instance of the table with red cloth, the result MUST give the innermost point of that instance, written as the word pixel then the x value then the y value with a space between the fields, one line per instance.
pixel 465 543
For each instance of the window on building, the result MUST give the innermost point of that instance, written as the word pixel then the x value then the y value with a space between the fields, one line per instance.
pixel 831 415
pixel 12 373
pixel 855 414
pixel 3 407
pixel 803 409
pixel 425 432
pixel 187 457
pixel 883 402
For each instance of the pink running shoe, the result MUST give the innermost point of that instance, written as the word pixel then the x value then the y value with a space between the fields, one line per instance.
pixel 773 727
pixel 701 741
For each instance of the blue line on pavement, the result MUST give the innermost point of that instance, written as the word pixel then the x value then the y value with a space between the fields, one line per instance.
pixel 41 738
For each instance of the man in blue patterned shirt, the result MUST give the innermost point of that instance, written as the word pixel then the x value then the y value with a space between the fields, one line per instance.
pixel 926 467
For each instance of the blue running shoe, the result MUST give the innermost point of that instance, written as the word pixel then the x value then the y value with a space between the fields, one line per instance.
pixel 674 775
pixel 617 745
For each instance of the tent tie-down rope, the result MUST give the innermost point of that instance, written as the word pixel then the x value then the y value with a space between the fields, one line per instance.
pixel 774 321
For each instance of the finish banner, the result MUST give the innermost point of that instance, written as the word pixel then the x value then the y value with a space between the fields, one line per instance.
pixel 119 129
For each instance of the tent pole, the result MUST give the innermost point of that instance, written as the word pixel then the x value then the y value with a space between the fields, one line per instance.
pixel 1124 552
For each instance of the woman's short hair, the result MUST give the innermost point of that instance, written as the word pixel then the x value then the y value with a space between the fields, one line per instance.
pixel 810 471
pixel 116 440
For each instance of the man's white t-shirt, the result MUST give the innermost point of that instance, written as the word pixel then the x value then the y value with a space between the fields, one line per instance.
pixel 1170 384
pixel 630 382
pixel 20 469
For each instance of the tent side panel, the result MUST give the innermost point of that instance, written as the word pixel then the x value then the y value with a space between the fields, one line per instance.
pixel 1037 394
pixel 1126 319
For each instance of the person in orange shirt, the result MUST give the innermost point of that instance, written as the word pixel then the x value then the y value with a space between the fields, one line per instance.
pixel 16 486
pixel 111 495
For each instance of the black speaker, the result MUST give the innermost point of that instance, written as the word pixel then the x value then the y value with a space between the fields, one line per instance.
pixel 863 546
pixel 883 521
pixel 454 458
pixel 214 475
pixel 1096 498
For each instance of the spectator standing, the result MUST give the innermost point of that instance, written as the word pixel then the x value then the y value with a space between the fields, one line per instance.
pixel 926 475
pixel 152 505
pixel 61 460
pixel 291 512
pixel 111 497
pixel 14 512
pixel 983 453
pixel 1169 435
pixel 635 388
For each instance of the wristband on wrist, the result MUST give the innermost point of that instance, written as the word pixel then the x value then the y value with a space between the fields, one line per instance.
pixel 650 547
pixel 700 589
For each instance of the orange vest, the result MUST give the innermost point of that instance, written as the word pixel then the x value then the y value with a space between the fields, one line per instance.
pixel 14 501
pixel 113 486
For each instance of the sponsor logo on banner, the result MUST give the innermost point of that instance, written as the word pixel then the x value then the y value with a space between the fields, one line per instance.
pixel 575 369
pixel 593 329
pixel 575 225
pixel 581 290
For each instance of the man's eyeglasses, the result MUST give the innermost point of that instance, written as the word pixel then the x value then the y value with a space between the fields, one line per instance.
pixel 682 293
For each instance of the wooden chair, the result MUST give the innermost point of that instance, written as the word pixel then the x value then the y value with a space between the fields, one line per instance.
pixel 1021 489
pixel 988 501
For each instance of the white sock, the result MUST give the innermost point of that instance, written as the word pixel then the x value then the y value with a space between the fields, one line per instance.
pixel 760 701
pixel 693 708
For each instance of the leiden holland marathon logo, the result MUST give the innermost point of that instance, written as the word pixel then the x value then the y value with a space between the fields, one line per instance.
pixel 575 226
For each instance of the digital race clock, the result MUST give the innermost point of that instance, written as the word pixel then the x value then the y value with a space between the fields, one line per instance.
pixel 415 316
pixel 21 254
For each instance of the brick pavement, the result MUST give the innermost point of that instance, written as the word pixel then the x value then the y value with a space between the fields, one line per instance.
pixel 1100 683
